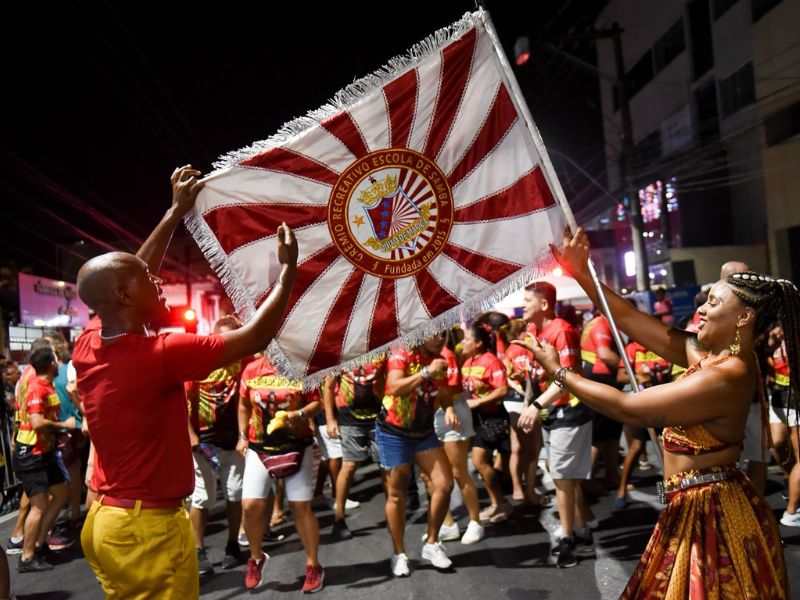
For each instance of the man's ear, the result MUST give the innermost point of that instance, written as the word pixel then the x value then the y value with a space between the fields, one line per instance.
pixel 120 295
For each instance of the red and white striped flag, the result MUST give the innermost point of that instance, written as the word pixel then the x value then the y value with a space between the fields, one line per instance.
pixel 418 196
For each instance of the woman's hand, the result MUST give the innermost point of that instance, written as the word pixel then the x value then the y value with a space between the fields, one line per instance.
pixel 451 418
pixel 574 253
pixel 545 354
pixel 241 446
pixel 287 246
pixel 527 418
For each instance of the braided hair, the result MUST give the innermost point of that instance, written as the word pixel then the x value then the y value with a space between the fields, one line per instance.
pixel 774 300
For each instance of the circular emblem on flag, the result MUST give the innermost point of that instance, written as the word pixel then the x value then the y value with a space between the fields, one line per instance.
pixel 390 212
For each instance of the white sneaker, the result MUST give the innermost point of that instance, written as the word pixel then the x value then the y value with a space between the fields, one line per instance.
pixel 473 534
pixel 399 565
pixel 436 554
pixel 791 520
pixel 593 524
pixel 348 504
pixel 448 534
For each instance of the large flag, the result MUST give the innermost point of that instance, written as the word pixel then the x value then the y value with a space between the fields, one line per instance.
pixel 418 196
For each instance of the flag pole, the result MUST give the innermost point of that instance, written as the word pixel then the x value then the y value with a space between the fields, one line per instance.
pixel 555 186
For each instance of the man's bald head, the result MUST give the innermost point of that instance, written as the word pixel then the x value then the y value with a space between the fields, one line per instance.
pixel 731 267
pixel 98 278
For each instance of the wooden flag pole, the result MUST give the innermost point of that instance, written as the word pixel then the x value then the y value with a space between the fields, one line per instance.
pixel 555 186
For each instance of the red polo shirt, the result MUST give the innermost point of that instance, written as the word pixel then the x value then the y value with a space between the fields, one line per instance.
pixel 132 390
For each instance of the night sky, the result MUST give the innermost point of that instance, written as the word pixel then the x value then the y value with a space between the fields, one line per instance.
pixel 101 100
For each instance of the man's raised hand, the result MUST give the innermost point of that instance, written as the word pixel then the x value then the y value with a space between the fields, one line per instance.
pixel 185 187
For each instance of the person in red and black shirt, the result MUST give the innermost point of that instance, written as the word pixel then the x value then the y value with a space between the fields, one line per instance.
pixel 273 422
pixel 650 369
pixel 416 384
pixel 36 457
pixel 566 424
pixel 352 403
pixel 600 361
pixel 131 385
pixel 483 378
pixel 213 413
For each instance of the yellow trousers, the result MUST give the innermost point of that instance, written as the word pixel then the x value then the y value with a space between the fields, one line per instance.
pixel 141 554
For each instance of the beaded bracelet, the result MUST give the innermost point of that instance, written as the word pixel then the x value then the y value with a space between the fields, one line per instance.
pixel 560 377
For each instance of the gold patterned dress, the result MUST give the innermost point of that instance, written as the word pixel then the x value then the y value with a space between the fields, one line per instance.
pixel 715 540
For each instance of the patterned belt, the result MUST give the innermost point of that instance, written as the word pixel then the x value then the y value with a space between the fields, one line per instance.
pixel 664 488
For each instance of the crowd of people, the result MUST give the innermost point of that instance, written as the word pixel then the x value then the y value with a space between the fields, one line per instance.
pixel 504 395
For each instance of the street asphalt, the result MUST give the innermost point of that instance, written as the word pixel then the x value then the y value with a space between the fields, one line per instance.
pixel 513 561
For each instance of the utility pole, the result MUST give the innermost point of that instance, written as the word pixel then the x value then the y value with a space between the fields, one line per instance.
pixel 626 166
pixel 626 156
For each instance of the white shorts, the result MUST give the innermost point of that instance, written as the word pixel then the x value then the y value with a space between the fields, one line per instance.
pixel 329 448
pixel 446 433
pixel 569 451
pixel 787 416
pixel 754 441
pixel 231 470
pixel 257 481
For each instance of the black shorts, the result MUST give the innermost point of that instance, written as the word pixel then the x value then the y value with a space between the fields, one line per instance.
pixel 605 428
pixel 492 432
pixel 40 479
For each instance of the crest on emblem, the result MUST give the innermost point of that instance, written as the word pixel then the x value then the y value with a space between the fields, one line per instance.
pixel 392 215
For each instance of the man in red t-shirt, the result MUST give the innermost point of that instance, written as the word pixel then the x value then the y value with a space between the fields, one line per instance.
pixel 600 359
pixel 566 424
pixel 137 536
pixel 15 542
pixel 36 457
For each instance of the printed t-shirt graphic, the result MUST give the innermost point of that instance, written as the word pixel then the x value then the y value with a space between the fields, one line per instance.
pixel 482 374
pixel 648 365
pixel 28 373
pixel 518 360
pixel 360 391
pixel 411 414
pixel 566 410
pixel 453 372
pixel 268 392
pixel 213 406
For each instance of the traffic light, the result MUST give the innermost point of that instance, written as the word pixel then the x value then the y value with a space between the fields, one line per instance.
pixel 183 316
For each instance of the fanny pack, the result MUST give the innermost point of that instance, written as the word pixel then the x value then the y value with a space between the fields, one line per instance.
pixel 494 429
pixel 280 466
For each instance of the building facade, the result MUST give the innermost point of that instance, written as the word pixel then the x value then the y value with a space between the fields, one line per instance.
pixel 714 95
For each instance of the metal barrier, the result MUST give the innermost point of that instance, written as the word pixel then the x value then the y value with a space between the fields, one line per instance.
pixel 10 480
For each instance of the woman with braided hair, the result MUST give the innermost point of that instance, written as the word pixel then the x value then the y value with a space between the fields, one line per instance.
pixel 717 537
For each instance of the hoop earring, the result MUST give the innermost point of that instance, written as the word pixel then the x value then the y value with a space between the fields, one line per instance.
pixel 735 345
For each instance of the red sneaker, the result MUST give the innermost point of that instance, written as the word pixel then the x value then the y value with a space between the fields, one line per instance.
pixel 314 578
pixel 255 572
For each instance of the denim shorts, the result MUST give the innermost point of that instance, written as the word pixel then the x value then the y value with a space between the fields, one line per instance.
pixel 397 450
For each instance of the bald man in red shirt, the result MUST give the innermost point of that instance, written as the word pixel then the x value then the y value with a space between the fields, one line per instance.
pixel 137 536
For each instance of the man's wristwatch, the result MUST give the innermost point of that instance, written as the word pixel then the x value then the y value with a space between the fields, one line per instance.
pixel 426 374
pixel 242 435
pixel 537 405
pixel 300 414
